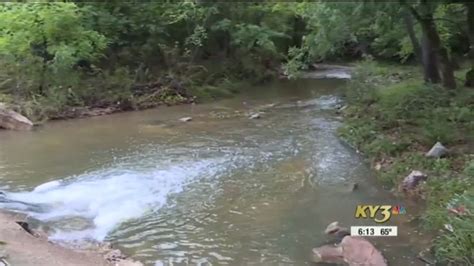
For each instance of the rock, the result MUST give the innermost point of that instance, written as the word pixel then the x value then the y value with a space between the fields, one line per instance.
pixel 12 120
pixel 437 151
pixel 255 116
pixel 351 187
pixel 426 257
pixel 26 227
pixel 186 119
pixel 340 108
pixel 378 166
pixel 328 254
pixel 412 180
pixel 114 256
pixel 352 250
pixel 354 186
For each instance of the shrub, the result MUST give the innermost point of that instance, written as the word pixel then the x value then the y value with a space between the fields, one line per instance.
pixel 44 41
pixel 362 89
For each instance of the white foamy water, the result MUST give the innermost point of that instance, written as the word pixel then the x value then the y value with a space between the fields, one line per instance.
pixel 109 197
pixel 329 73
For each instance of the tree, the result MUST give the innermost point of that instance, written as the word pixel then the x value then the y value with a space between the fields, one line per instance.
pixel 434 55
pixel 409 25
pixel 44 41
pixel 470 28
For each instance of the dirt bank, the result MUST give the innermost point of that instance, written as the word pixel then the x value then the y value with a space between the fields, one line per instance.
pixel 20 247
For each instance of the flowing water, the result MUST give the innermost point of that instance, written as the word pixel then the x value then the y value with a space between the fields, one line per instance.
pixel 221 189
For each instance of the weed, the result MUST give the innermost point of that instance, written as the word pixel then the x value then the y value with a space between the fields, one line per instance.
pixel 456 246
pixel 391 115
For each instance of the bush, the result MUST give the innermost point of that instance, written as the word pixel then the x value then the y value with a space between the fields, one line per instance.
pixel 108 87
pixel 43 42
pixel 362 89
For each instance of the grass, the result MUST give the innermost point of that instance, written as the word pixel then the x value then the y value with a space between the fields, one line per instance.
pixel 393 118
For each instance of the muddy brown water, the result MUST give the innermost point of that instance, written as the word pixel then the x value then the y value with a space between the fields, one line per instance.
pixel 219 190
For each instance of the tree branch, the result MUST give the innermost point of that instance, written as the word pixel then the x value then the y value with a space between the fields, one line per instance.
pixel 415 13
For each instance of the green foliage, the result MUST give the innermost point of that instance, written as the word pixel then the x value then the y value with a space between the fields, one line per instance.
pixel 404 164
pixel 363 88
pixel 5 98
pixel 115 87
pixel 56 48
pixel 40 44
pixel 328 32
pixel 382 146
pixel 295 62
pixel 396 124
pixel 394 103
pixel 469 169
pixel 457 192
pixel 449 19
pixel 255 37
pixel 358 133
pixel 454 246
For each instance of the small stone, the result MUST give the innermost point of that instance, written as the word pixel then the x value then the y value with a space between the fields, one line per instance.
pixel 255 116
pixel 354 186
pixel 413 179
pixel 378 166
pixel 114 256
pixel 186 119
pixel 425 257
pixel 437 151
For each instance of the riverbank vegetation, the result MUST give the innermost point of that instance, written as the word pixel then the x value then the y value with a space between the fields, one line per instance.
pixel 60 57
pixel 394 119
pixel 79 58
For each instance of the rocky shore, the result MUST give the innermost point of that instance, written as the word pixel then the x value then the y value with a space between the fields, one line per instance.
pixel 20 245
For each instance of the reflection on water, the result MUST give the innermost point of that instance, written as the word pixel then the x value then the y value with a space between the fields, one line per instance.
pixel 221 189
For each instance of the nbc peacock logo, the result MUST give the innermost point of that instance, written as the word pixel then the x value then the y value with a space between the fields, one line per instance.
pixel 398 209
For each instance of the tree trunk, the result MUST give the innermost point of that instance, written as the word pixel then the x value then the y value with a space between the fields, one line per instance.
pixel 447 70
pixel 408 20
pixel 433 51
pixel 429 58
pixel 470 29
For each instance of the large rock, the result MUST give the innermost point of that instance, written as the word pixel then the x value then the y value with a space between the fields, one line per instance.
pixel 437 151
pixel 12 120
pixel 352 250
